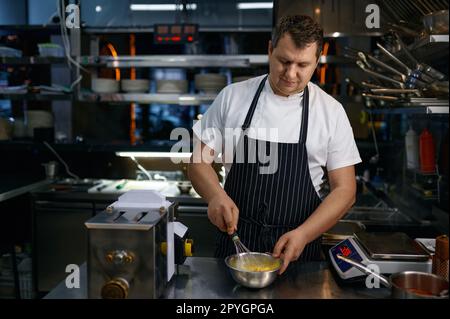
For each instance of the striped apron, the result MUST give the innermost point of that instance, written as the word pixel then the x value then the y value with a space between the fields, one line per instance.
pixel 271 204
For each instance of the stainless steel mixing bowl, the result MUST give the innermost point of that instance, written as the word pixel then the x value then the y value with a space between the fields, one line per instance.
pixel 253 279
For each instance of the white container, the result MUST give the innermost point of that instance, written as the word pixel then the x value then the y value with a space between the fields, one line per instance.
pixel 135 86
pixel 100 85
pixel 412 149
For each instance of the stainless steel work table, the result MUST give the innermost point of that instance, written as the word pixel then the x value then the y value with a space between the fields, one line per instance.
pixel 208 278
pixel 13 186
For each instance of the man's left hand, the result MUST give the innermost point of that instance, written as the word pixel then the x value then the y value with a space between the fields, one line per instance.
pixel 289 247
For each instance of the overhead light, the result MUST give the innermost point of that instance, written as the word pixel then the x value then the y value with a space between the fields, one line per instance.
pixel 191 6
pixel 254 5
pixel 98 9
pixel 186 98
pixel 154 154
pixel 162 7
pixel 336 34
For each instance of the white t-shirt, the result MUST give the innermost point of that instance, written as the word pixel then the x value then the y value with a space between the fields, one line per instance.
pixel 330 143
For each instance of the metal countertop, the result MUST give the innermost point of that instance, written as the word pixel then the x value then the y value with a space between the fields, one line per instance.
pixel 208 278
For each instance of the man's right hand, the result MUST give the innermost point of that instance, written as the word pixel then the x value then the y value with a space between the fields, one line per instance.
pixel 223 213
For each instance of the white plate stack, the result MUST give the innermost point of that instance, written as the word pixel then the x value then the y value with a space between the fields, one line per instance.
pixel 135 86
pixel 211 82
pixel 100 85
pixel 172 86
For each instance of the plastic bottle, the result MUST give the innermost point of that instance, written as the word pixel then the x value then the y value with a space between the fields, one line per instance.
pixel 412 149
pixel 427 152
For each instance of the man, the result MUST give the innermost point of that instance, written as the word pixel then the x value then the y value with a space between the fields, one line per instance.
pixel 283 211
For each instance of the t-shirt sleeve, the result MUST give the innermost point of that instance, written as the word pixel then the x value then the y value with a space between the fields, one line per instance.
pixel 211 126
pixel 342 149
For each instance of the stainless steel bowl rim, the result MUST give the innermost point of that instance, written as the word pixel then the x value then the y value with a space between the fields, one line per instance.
pixel 419 273
pixel 227 262
pixel 410 272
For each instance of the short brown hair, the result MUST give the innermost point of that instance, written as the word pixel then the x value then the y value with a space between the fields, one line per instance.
pixel 303 30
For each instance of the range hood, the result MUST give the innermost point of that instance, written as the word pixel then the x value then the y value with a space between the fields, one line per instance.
pixel 348 17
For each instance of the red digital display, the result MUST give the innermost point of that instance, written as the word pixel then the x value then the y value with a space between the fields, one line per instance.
pixel 175 33
pixel 345 251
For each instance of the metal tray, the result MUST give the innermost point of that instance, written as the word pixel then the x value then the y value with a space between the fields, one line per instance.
pixel 391 246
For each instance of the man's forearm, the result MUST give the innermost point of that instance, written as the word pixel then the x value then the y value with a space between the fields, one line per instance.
pixel 205 180
pixel 328 213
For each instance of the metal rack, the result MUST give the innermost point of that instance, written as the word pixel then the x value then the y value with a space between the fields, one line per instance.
pixel 32 60
pixel 190 61
pixel 148 98
pixel 35 96
pixel 431 110
pixel 179 61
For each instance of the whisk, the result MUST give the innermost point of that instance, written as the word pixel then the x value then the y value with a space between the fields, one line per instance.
pixel 244 258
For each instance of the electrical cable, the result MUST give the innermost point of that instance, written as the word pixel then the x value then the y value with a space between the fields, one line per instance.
pixel 141 168
pixel 66 44
pixel 62 161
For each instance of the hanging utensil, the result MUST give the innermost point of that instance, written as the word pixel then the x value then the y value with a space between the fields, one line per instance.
pixel 396 91
pixel 363 58
pixel 387 67
pixel 393 57
pixel 378 75
pixel 435 74
pixel 404 30
pixel 371 85
pixel 381 97
pixel 412 80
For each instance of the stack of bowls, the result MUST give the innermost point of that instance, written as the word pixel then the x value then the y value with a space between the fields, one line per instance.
pixel 135 86
pixel 211 82
pixel 100 85
pixel 172 86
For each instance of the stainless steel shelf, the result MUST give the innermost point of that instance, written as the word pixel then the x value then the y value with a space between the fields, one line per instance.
pixel 178 99
pixel 176 61
pixel 32 60
pixel 150 29
pixel 34 96
pixel 191 61
pixel 412 110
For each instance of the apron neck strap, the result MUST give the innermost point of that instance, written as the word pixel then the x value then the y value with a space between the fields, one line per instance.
pixel 305 111
pixel 251 111
pixel 305 104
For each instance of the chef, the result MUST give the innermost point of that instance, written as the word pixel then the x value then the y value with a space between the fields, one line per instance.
pixel 284 209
